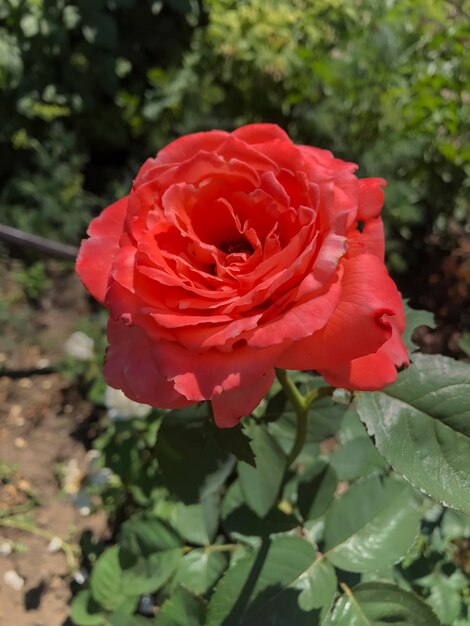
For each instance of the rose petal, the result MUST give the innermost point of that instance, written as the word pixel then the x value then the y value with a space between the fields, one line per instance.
pixel 97 253
pixel 373 371
pixel 200 375
pixel 299 320
pixel 261 133
pixel 360 323
pixel 234 148
pixel 130 366
pixel 371 198
pixel 186 147
pixel 371 239
pixel 230 406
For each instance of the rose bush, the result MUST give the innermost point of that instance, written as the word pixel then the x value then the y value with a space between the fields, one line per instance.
pixel 237 253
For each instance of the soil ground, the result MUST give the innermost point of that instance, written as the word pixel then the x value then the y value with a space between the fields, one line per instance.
pixel 41 417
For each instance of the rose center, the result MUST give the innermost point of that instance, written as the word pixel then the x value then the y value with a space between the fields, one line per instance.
pixel 236 245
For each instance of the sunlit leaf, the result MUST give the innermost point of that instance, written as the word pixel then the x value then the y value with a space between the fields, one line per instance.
pixel 85 611
pixel 273 585
pixel 181 609
pixel 199 570
pixel 421 425
pixel 261 485
pixel 377 604
pixel 316 488
pixel 372 525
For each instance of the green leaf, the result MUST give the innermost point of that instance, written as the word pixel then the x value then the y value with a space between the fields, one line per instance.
pixel 445 594
pixel 464 343
pixel 242 523
pixel 192 465
pixel 284 431
pixel 455 525
pixel 150 552
pixel 121 619
pixel 189 520
pixel 356 458
pixel 414 319
pixel 148 574
pixel 377 604
pixel 372 525
pixel 210 504
pixel 145 534
pixel 316 488
pixel 319 588
pixel 261 485
pixel 421 426
pixel 107 585
pixel 85 611
pixel 269 586
pixel 181 609
pixel 234 441
pixel 351 426
pixel 200 570
pixel 323 420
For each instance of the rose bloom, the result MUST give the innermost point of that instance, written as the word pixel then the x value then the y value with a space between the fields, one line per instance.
pixel 233 254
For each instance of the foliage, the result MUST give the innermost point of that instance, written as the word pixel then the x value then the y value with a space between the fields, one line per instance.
pixel 337 538
pixel 72 85
pixel 33 280
pixel 383 84
pixel 50 200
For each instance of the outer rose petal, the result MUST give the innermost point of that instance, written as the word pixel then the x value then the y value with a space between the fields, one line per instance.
pixel 373 371
pixel 186 147
pixel 201 376
pixel 261 133
pixel 130 366
pixel 371 239
pixel 97 253
pixel 229 406
pixel 359 325
pixel 371 198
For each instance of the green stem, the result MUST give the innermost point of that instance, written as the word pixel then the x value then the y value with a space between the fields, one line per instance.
pixel 215 547
pixel 66 548
pixel 222 547
pixel 301 406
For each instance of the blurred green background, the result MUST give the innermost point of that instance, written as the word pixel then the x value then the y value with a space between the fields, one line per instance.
pixel 90 88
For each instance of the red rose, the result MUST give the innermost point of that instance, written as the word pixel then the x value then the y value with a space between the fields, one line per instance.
pixel 236 253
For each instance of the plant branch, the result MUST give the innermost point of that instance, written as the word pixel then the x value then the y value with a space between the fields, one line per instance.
pixel 301 407
pixel 215 547
pixel 66 548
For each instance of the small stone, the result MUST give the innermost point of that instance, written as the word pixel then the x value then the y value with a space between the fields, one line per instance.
pixel 80 346
pixel 84 511
pixel 24 485
pixel 55 544
pixel 146 606
pixel 6 548
pixel 72 478
pixel 15 411
pixel 13 580
pixel 81 576
pixel 120 407
pixel 20 443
